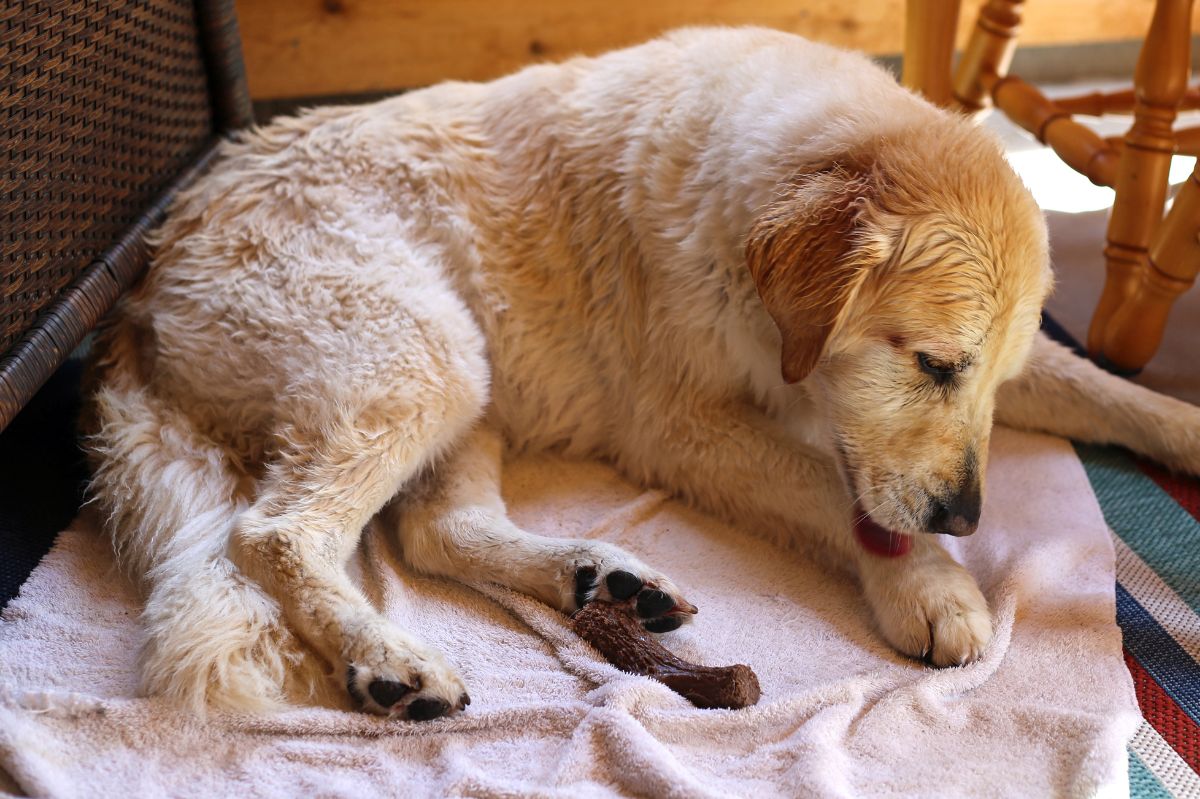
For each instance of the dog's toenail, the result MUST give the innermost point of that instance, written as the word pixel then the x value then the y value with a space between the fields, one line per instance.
pixel 387 692
pixel 585 583
pixel 425 709
pixel 653 602
pixel 664 625
pixel 464 700
pixel 623 585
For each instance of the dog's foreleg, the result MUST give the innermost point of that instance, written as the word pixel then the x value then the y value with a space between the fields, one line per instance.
pixel 737 463
pixel 458 527
pixel 1065 395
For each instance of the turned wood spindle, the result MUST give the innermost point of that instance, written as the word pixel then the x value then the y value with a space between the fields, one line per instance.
pixel 1187 142
pixel 1136 329
pixel 1160 82
pixel 929 30
pixel 988 54
pixel 1098 104
pixel 1079 146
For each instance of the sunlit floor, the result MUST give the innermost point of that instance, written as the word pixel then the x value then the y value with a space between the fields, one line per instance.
pixel 1057 187
pixel 1077 213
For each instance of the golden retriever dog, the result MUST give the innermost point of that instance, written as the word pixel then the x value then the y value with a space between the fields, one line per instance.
pixel 743 267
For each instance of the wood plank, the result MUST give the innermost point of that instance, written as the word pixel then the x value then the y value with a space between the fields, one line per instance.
pixel 314 47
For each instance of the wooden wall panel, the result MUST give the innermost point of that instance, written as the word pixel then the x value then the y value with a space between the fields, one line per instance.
pixel 313 47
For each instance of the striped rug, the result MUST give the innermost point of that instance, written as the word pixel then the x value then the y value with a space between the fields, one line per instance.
pixel 1154 517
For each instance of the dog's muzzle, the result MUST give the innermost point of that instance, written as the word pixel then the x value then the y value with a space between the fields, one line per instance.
pixel 957 514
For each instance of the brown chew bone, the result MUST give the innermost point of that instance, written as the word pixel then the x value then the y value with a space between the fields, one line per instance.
pixel 615 631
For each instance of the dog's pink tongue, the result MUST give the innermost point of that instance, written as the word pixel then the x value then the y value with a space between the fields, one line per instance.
pixel 877 540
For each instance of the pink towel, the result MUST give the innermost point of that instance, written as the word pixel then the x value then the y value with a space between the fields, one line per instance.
pixel 1046 711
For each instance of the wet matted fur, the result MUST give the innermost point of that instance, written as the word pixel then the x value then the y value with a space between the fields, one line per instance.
pixel 741 266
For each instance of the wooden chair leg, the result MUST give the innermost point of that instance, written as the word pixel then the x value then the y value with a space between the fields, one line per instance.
pixel 1079 146
pixel 929 30
pixel 1160 83
pixel 1136 329
pixel 988 54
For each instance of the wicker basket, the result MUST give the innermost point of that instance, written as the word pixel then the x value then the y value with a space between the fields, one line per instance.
pixel 107 107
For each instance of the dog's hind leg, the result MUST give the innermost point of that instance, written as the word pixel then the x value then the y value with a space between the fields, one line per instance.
pixel 336 471
pixel 458 527
pixel 171 497
pixel 1065 395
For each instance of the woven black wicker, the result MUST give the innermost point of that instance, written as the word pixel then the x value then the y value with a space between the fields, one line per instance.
pixel 106 108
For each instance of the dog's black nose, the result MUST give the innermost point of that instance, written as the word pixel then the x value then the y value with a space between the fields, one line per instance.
pixel 957 514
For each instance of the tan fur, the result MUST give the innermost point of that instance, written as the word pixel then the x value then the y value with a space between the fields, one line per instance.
pixel 614 257
pixel 797 254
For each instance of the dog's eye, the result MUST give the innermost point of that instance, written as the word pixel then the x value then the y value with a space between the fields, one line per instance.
pixel 939 370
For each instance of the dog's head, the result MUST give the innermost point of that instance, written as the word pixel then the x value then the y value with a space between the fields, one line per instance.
pixel 906 282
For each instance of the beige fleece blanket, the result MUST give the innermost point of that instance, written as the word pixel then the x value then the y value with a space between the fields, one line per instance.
pixel 1046 712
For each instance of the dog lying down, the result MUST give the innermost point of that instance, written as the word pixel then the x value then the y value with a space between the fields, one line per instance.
pixel 739 265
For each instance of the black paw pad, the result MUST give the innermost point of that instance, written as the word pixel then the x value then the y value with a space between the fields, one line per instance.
pixel 585 583
pixel 387 692
pixel 426 709
pixel 623 585
pixel 664 625
pixel 653 602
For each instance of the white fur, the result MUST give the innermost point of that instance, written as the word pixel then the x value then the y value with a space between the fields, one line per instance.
pixel 358 303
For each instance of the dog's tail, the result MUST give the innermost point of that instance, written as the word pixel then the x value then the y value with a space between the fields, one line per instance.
pixel 170 497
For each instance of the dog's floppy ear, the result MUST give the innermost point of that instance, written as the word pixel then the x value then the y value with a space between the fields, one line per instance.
pixel 804 255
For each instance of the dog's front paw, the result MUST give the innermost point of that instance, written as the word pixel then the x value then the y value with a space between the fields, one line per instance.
pixel 605 572
pixel 929 608
pixel 391 676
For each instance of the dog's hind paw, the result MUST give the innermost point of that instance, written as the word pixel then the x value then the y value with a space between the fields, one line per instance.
pixel 403 682
pixel 609 574
pixel 412 700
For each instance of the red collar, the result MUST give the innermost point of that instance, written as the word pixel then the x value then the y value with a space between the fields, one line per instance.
pixel 877 540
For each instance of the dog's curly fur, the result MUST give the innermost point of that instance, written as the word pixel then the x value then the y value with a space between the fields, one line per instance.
pixel 614 257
